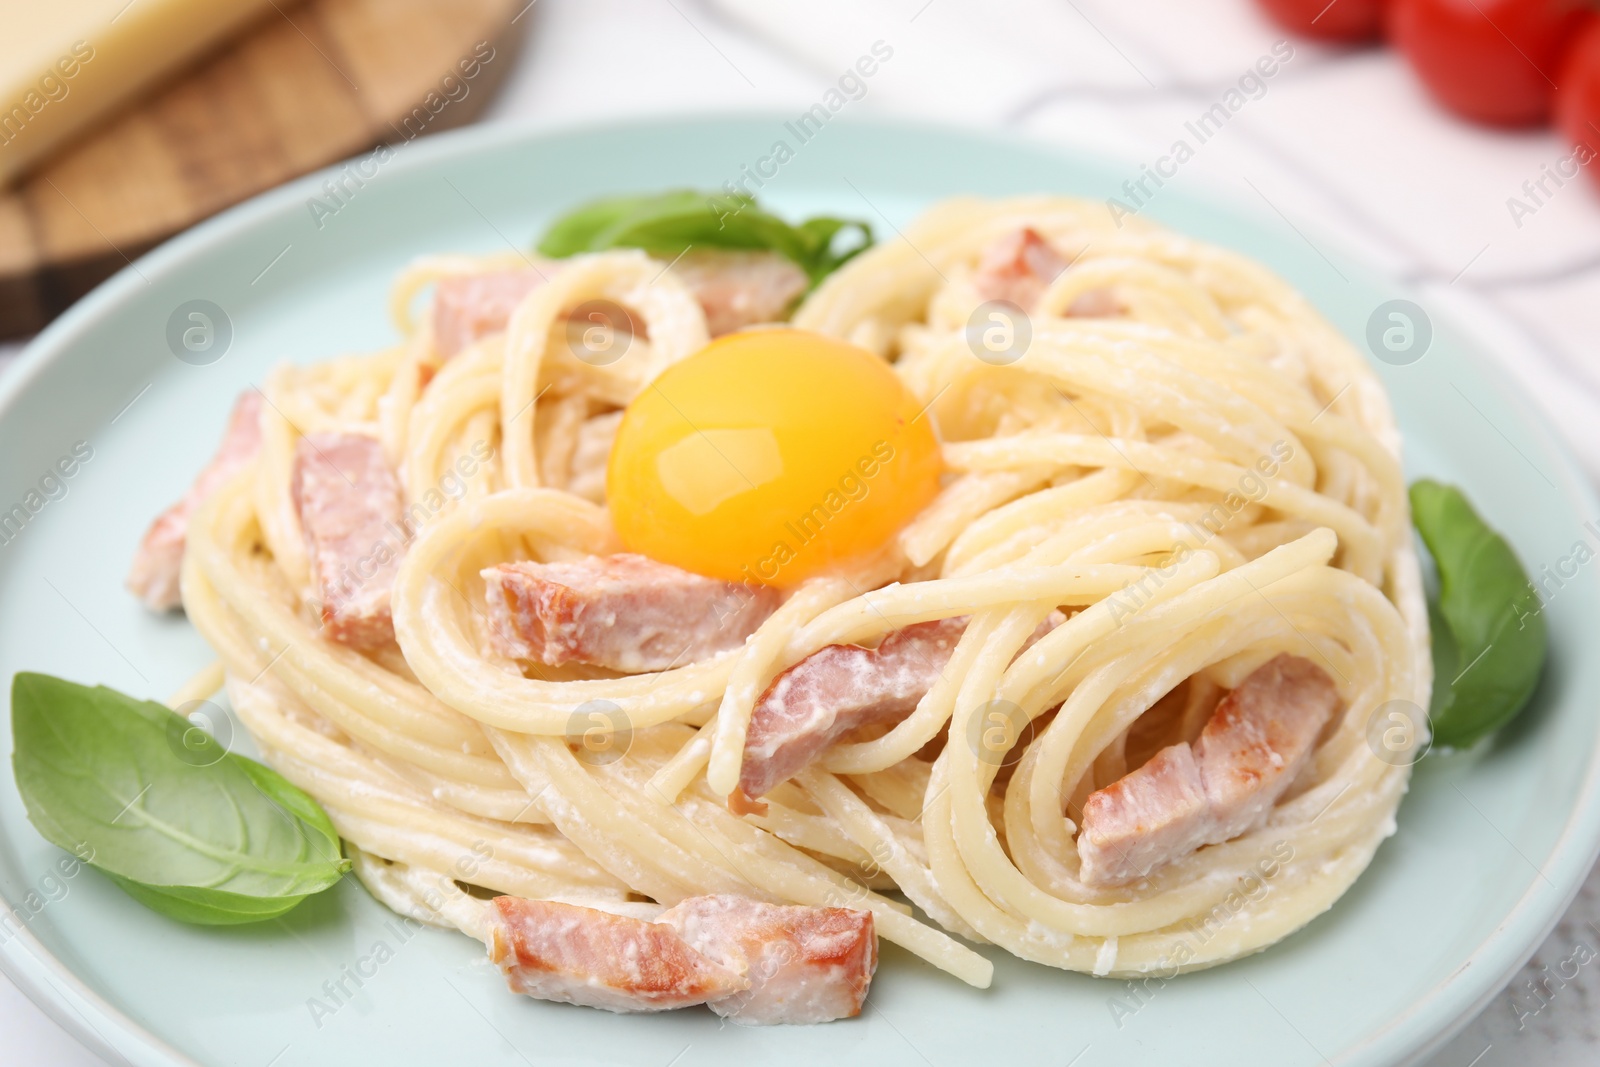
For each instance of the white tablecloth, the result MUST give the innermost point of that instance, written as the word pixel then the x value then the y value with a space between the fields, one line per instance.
pixel 1342 138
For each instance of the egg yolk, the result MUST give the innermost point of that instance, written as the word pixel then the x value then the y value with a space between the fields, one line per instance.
pixel 770 456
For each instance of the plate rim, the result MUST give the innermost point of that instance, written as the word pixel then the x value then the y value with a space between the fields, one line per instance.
pixel 1425 1025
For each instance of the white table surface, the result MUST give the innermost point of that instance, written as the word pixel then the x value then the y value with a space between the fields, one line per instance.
pixel 1342 139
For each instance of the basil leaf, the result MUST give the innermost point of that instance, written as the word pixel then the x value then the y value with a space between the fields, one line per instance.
pixel 668 224
pixel 1489 637
pixel 597 225
pixel 185 827
pixel 823 232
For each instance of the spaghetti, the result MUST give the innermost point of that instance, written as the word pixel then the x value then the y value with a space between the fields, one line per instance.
pixel 1186 461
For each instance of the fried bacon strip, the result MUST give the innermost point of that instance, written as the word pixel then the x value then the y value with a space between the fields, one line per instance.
pixel 750 961
pixel 351 509
pixel 625 612
pixel 153 577
pixel 1260 736
pixel 734 288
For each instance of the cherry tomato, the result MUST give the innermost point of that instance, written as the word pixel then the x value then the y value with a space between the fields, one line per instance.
pixel 1492 61
pixel 1348 21
pixel 1578 97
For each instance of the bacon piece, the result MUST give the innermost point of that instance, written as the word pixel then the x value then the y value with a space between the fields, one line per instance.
pixel 578 955
pixel 1016 268
pixel 625 612
pixel 735 289
pixel 1260 736
pixel 350 506
pixel 1095 304
pixel 738 289
pixel 1144 819
pixel 838 689
pixel 153 578
pixel 468 307
pixel 804 965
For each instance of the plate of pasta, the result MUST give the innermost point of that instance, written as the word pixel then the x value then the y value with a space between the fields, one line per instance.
pixel 561 596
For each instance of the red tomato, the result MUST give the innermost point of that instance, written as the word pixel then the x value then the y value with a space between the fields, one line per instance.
pixel 1578 96
pixel 1351 21
pixel 1491 61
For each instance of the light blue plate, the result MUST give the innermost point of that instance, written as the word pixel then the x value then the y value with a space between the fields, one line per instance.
pixel 1491 847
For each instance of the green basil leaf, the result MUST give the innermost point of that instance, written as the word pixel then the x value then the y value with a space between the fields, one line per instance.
pixel 668 224
pixel 823 232
pixel 1489 637
pixel 185 827
pixel 596 226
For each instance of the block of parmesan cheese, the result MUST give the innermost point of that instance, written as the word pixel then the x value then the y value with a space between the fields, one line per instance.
pixel 67 63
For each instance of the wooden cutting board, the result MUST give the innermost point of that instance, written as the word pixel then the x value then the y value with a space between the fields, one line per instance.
pixel 307 85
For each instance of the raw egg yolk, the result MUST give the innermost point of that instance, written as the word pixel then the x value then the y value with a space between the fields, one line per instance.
pixel 769 456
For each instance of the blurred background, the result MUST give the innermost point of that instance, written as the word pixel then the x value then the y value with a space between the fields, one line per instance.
pixel 1443 141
